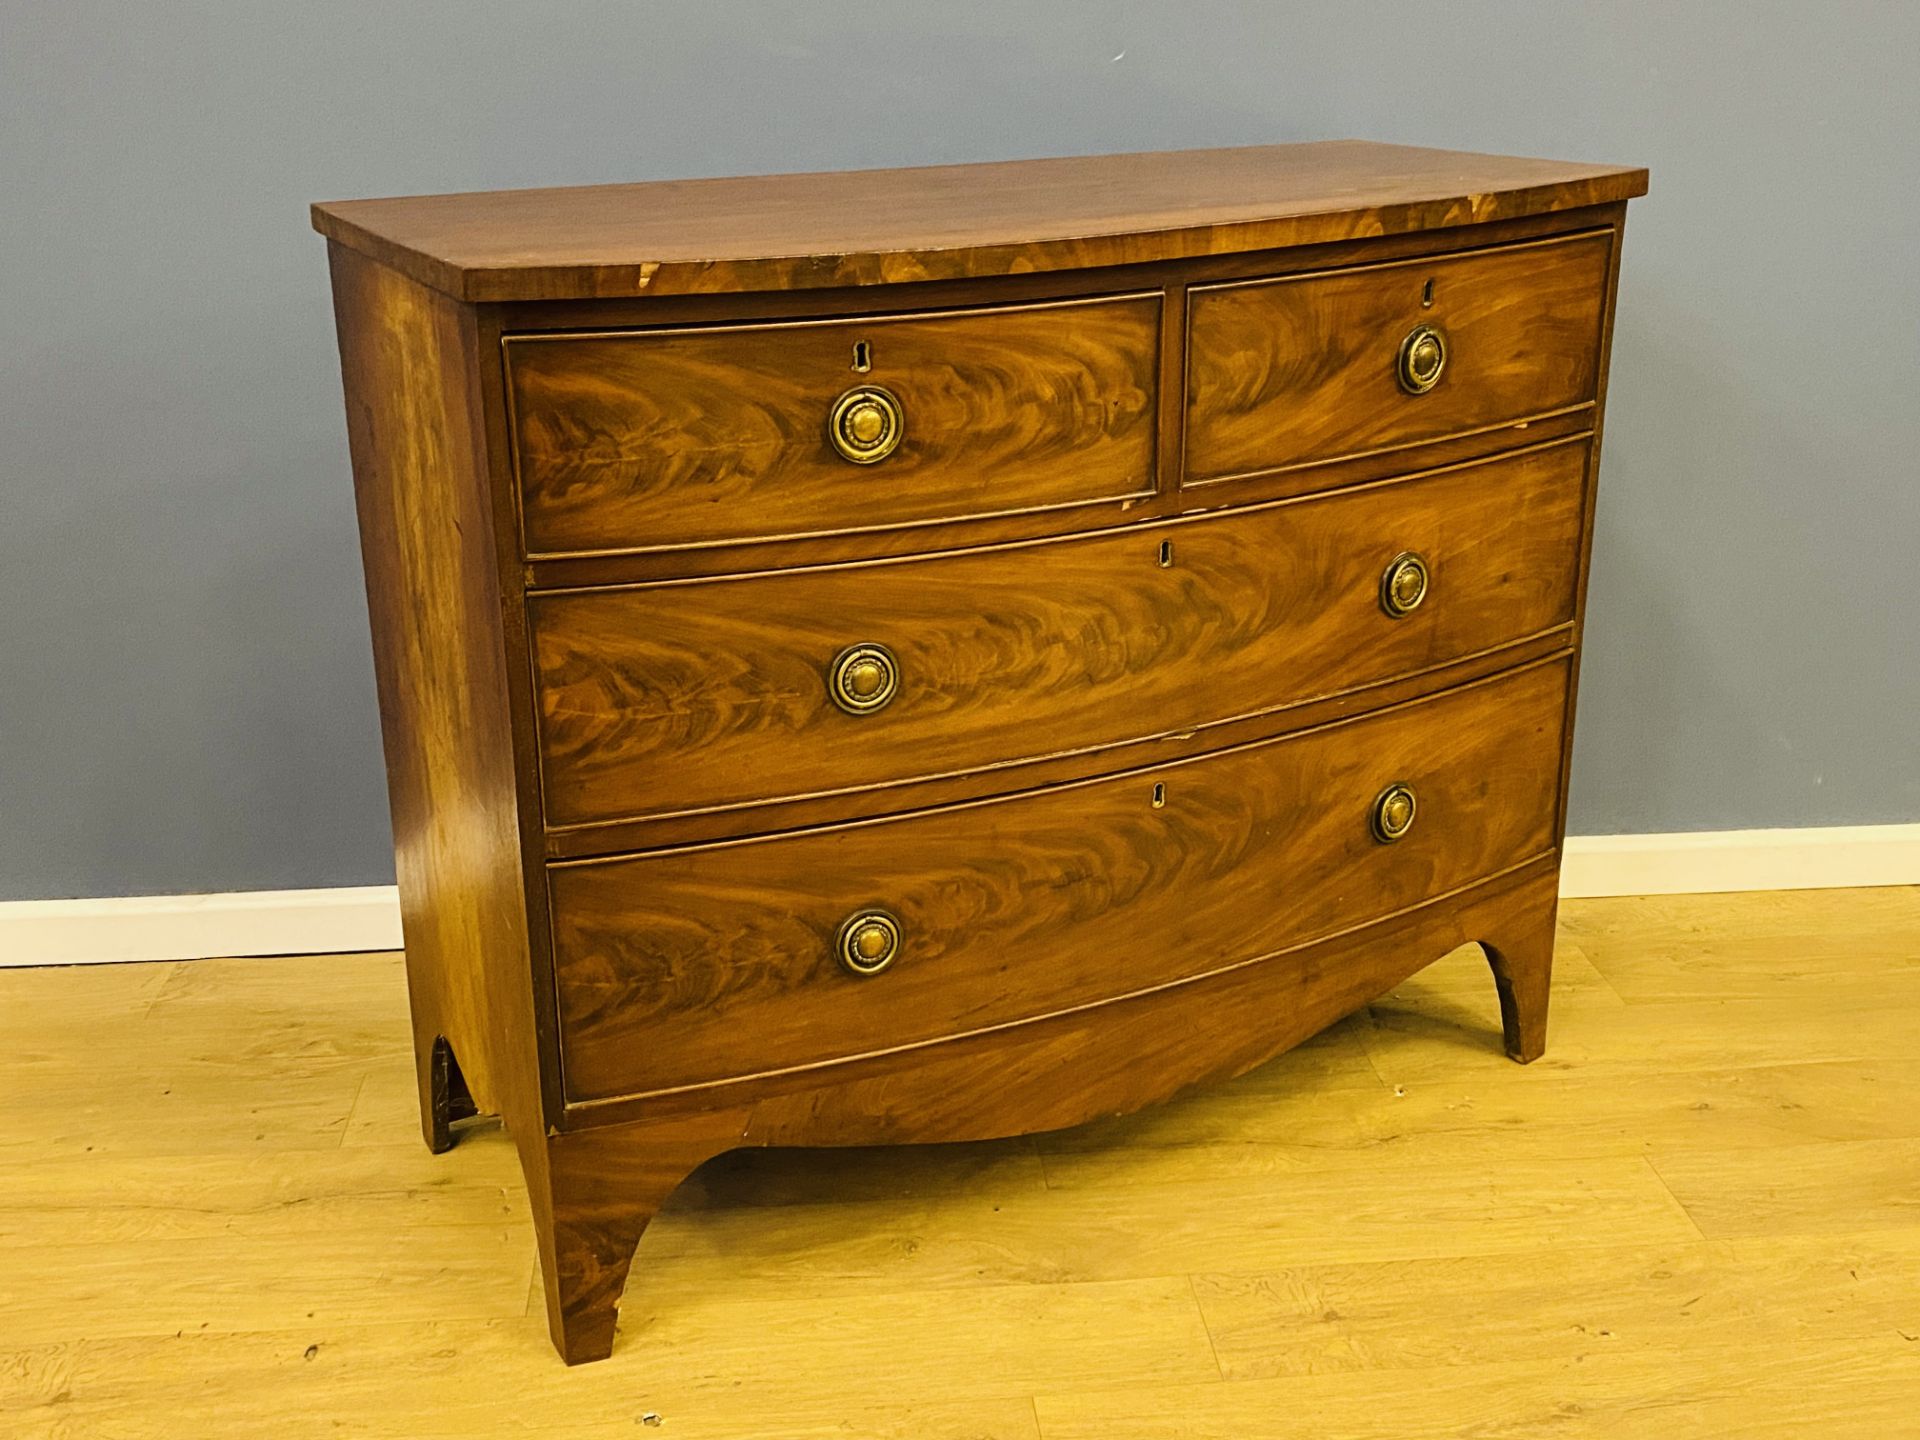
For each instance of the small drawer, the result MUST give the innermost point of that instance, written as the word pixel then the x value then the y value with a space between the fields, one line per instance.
pixel 659 439
pixel 686 696
pixel 684 967
pixel 1305 369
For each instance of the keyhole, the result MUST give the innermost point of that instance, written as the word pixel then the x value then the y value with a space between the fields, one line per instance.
pixel 1166 554
pixel 863 353
pixel 1159 796
pixel 1426 296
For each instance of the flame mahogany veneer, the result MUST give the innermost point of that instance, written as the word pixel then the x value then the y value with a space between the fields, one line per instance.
pixel 1129 605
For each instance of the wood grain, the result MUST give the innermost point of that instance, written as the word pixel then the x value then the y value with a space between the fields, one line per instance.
pixel 1301 369
pixel 421 481
pixel 1840 1388
pixel 654 427
pixel 1601 1319
pixel 1121 1056
pixel 1294 1122
pixel 682 437
pixel 1568 1304
pixel 1252 1223
pixel 692 827
pixel 1054 1071
pixel 1416 1041
pixel 682 698
pixel 783 232
pixel 1792 1190
pixel 1064 898
pixel 426 487
pixel 1652 949
pixel 571 571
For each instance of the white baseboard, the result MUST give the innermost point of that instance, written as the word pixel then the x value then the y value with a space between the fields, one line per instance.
pixel 1713 861
pixel 314 922
pixel 198 927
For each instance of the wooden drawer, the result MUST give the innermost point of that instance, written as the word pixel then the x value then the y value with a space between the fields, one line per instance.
pixel 1304 369
pixel 658 439
pixel 681 967
pixel 667 698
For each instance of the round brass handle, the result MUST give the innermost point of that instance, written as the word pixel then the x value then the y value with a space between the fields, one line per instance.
pixel 1423 355
pixel 1393 812
pixel 863 678
pixel 1404 584
pixel 866 424
pixel 868 943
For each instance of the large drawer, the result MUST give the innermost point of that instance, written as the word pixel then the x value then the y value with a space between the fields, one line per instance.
pixel 1303 369
pixel 700 695
pixel 682 967
pixel 665 438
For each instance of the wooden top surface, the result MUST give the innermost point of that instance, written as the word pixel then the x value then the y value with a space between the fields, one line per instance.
pixel 865 227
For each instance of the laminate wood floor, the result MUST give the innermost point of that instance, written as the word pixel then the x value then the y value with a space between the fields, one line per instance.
pixel 1698 1216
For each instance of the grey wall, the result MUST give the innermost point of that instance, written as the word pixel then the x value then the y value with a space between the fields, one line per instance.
pixel 186 699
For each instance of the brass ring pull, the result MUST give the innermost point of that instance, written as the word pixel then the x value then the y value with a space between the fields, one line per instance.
pixel 863 678
pixel 866 424
pixel 868 943
pixel 1393 812
pixel 1404 584
pixel 1423 355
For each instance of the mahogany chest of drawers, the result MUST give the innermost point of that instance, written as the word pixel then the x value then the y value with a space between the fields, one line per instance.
pixel 927 655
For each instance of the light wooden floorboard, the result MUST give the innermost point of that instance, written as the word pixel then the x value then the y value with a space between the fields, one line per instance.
pixel 1838 1390
pixel 1698 1216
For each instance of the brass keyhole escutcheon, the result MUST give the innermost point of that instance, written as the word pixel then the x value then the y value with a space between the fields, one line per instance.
pixel 863 678
pixel 866 424
pixel 1393 812
pixel 1404 584
pixel 1423 356
pixel 869 942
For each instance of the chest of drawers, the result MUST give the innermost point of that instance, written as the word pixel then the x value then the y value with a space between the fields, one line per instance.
pixel 929 655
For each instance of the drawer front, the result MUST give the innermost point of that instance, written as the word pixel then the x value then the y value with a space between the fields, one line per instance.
pixel 670 698
pixel 1304 369
pixel 658 439
pixel 683 967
